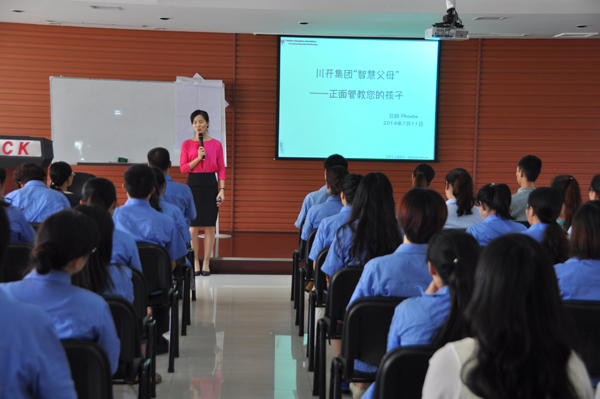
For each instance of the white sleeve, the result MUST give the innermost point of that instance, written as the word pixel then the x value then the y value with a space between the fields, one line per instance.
pixel 443 376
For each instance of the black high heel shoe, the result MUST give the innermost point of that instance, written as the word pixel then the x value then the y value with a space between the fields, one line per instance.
pixel 207 273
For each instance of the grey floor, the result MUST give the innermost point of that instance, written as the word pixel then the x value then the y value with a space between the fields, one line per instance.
pixel 251 318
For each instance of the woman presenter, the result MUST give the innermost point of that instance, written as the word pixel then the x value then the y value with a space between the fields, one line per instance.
pixel 202 157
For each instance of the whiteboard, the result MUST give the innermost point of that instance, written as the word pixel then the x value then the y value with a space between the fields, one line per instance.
pixel 99 120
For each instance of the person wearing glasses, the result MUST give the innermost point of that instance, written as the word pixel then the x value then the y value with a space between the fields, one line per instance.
pixel 61 177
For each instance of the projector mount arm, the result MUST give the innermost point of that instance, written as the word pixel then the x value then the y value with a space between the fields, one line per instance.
pixel 451 19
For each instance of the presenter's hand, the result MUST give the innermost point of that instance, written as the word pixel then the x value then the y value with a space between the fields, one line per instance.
pixel 220 197
pixel 201 153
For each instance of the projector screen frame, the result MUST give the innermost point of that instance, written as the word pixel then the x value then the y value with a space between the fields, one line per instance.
pixel 437 99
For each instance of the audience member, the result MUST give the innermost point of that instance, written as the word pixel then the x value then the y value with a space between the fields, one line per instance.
pixel 34 364
pixel 528 170
pixel 20 230
pixel 102 192
pixel 34 198
pixel 494 208
pixel 519 344
pixel 61 177
pixel 63 244
pixel 579 277
pixel 462 212
pixel 333 204
pixel 594 190
pixel 543 207
pixel 422 176
pixel 571 195
pixel 319 196
pixel 169 209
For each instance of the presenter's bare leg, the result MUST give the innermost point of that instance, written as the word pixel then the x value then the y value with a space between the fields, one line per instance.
pixel 209 243
pixel 194 231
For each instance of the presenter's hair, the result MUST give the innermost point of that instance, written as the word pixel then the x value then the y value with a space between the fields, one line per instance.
pixel 59 174
pixel 4 230
pixel 517 315
pixel 62 237
pixel 546 203
pixel 497 197
pixel 95 276
pixel 159 157
pixel 421 214
pixel 427 170
pixel 571 195
pixel 335 160
pixel 99 191
pixel 585 236
pixel 199 112
pixel 3 176
pixel 594 185
pixel 462 188
pixel 139 181
pixel 350 185
pixel 532 166
pixel 454 255
pixel 335 177
pixel 29 171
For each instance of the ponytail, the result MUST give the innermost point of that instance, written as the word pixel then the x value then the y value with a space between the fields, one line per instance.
pixel 497 197
pixel 44 256
pixel 335 177
pixel 420 181
pixel 571 195
pixel 350 185
pixel 546 203
pixel 462 190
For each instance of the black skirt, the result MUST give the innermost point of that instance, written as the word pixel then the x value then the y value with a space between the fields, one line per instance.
pixel 205 189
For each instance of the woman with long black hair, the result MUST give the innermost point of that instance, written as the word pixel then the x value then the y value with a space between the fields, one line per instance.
pixel 462 212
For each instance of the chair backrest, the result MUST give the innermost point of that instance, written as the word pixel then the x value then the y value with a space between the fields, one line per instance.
pixel 320 278
pixel 309 243
pixel 128 329
pixel 78 181
pixel 300 233
pixel 365 332
pixel 35 225
pixel 90 369
pixel 140 293
pixel 524 223
pixel 341 287
pixel 402 371
pixel 16 261
pixel 586 320
pixel 156 265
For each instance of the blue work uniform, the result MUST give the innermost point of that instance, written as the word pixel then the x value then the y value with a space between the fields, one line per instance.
pixel 175 213
pixel 536 231
pixel 311 199
pixel 461 222
pixel 415 322
pixel 77 313
pixel 121 282
pixel 338 256
pixel 327 229
pixel 180 195
pixel 579 279
pixel 20 230
pixel 317 213
pixel 147 225
pixel 34 364
pixel 37 201
pixel 492 227
pixel 124 250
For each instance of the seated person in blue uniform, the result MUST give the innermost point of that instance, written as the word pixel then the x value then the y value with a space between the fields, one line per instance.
pixel 61 177
pixel 63 245
pixel 422 176
pixel 34 198
pixel 571 195
pixel 494 208
pixel 20 230
pixel 436 316
pixel 371 230
pixel 528 170
pixel 319 196
pixel 333 204
pixel 141 221
pixel 462 212
pixel 34 364
pixel 543 207
pixel 594 190
pixel 100 276
pixel 579 277
pixel 102 192
pixel 330 225
pixel 175 193
pixel 167 208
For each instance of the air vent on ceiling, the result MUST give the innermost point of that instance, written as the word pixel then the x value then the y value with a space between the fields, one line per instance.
pixel 488 18
pixel 474 35
pixel 94 24
pixel 576 35
pixel 107 8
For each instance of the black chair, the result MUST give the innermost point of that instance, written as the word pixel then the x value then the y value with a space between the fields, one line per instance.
pixel 315 300
pixel 35 226
pixel 15 263
pixel 585 317
pixel 133 367
pixel 402 371
pixel 156 265
pixel 341 287
pixel 304 276
pixel 297 257
pixel 364 338
pixel 147 324
pixel 79 180
pixel 524 223
pixel 182 276
pixel 90 369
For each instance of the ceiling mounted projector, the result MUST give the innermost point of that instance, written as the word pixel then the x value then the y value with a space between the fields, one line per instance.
pixel 451 28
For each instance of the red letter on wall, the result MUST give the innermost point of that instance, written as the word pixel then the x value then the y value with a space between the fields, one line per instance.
pixel 4 148
pixel 23 148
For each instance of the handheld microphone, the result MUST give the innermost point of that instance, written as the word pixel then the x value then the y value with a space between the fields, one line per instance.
pixel 201 137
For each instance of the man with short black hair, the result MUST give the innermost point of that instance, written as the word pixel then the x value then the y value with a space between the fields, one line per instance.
pixel 528 170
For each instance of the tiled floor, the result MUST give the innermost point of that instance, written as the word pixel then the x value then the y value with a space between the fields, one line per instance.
pixel 251 318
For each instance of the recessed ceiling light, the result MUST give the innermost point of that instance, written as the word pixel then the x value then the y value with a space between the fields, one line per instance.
pixel 164 18
pixel 107 8
pixel 159 28
pixel 17 10
pixel 576 35
pixel 488 18
pixel 304 23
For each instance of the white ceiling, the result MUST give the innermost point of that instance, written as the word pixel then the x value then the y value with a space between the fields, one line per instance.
pixel 399 18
